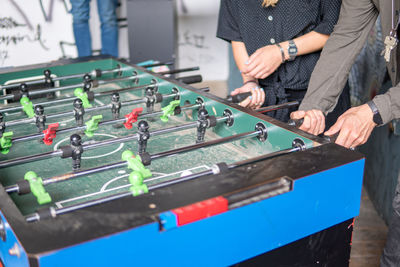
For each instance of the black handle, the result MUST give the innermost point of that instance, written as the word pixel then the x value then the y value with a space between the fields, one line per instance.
pixel 299 122
pixel 239 97
pixel 191 79
pixel 179 71
pixel 204 89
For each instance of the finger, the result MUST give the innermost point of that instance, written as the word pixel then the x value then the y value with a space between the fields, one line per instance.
pixel 313 122
pixel 260 74
pixel 297 115
pixel 255 94
pixel 257 61
pixel 266 74
pixel 322 122
pixel 257 70
pixel 335 128
pixel 306 123
pixel 259 96
pixel 263 73
pixel 365 136
pixel 254 56
pixel 359 141
pixel 235 92
pixel 352 137
pixel 246 102
pixel 262 96
pixel 343 136
pixel 316 122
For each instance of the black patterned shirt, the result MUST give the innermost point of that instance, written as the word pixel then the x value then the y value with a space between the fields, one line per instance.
pixel 256 26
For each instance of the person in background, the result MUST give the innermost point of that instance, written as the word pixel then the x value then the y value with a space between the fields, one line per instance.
pixel 276 45
pixel 109 26
pixel 355 126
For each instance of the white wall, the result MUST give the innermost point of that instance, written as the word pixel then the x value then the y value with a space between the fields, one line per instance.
pixel 197 44
pixel 21 41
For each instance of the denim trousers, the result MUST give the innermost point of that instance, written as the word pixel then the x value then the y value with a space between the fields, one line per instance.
pixel 109 26
pixel 391 252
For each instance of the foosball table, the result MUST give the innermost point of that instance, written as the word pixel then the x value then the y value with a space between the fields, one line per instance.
pixel 105 163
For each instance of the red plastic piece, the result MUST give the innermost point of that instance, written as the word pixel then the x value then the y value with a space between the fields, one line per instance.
pixel 201 210
pixel 132 117
pixel 50 133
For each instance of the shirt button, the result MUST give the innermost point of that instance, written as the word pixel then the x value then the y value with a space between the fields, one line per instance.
pixel 272 40
pixel 270 18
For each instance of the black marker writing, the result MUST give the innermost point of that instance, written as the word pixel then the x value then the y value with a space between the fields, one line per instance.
pixel 9 23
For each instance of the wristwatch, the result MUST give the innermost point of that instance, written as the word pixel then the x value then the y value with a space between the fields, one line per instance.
pixel 292 50
pixel 377 116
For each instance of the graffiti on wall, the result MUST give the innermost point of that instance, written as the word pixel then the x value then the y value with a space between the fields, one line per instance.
pixel 31 32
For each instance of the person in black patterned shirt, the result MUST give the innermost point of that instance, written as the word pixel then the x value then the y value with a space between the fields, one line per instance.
pixel 262 32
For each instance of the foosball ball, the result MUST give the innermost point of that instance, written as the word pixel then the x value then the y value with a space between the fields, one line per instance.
pixel 105 163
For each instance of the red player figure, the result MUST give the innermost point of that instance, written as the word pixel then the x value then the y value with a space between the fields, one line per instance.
pixel 50 133
pixel 132 117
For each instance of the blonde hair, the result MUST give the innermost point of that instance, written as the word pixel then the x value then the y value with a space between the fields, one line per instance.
pixel 268 3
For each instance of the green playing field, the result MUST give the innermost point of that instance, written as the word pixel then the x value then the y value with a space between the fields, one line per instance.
pixel 110 182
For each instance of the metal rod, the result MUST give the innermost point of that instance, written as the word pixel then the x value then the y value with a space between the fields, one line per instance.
pixel 276 107
pixel 223 140
pixel 133 88
pixel 169 153
pixel 42 156
pixel 61 78
pixel 71 113
pixel 169 63
pixel 31 158
pixel 230 166
pixel 178 71
pixel 67 99
pixel 58 211
pixel 66 87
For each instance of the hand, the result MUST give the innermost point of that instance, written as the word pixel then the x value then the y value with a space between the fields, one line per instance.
pixel 263 62
pixel 314 120
pixel 355 126
pixel 257 95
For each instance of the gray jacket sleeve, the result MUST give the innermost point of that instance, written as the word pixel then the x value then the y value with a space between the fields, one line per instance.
pixel 356 19
pixel 388 104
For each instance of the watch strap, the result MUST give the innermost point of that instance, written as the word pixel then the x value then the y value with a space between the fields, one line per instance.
pixel 292 50
pixel 376 115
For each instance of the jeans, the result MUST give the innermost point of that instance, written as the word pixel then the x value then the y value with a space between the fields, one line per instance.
pixel 109 26
pixel 391 253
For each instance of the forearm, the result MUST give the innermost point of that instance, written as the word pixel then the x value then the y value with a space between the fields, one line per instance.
pixel 241 57
pixel 331 72
pixel 307 43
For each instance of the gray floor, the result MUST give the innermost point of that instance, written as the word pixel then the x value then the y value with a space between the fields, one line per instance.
pixel 369 236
